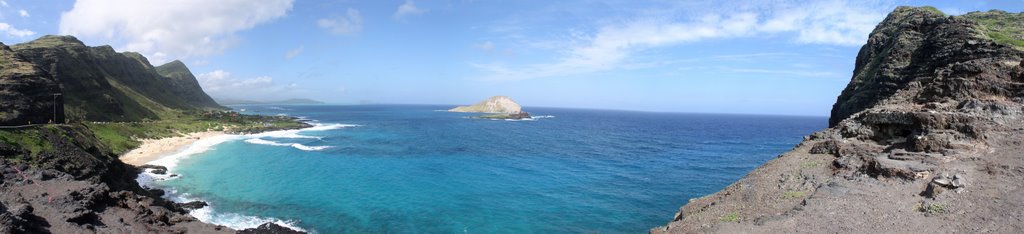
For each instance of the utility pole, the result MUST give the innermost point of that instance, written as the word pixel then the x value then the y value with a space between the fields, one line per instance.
pixel 54 120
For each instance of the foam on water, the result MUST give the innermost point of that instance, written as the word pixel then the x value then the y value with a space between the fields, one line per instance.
pixel 208 214
pixel 239 222
pixel 259 141
pixel 532 118
pixel 265 142
pixel 199 146
pixel 203 145
pixel 332 126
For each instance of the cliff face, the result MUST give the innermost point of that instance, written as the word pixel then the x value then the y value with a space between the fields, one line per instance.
pixel 100 84
pixel 496 104
pixel 925 138
pixel 920 57
pixel 27 92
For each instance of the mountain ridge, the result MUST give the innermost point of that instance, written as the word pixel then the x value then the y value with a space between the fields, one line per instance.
pixel 100 84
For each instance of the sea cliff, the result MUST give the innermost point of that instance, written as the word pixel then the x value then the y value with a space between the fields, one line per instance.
pixel 925 138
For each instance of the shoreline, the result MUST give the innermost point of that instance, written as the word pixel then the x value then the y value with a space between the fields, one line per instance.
pixel 166 152
pixel 154 149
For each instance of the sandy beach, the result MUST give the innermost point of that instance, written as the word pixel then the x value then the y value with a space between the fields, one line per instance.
pixel 153 149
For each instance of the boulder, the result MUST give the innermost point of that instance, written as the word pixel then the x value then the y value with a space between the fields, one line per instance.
pixel 192 205
pixel 269 228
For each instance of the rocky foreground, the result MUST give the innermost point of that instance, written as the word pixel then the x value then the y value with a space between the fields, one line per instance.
pixel 80 186
pixel 927 137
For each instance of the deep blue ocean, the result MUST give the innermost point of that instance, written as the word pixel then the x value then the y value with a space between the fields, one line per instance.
pixel 415 169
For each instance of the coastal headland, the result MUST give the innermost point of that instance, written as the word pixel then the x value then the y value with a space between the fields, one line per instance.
pixel 925 138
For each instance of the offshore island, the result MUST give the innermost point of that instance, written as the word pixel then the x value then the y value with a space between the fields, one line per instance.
pixel 496 107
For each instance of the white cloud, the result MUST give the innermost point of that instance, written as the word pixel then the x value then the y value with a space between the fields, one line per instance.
pixel 751 56
pixel 408 8
pixel 348 24
pixel 486 46
pixel 830 22
pixel 10 31
pixel 614 44
pixel 292 53
pixel 4 3
pixel 169 30
pixel 23 13
pixel 222 84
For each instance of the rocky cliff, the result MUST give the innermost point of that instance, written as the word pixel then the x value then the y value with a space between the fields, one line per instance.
pixel 496 104
pixel 27 93
pixel 99 84
pixel 65 181
pixel 927 137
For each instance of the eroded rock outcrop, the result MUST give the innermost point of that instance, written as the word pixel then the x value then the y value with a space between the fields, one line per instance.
pixel 933 100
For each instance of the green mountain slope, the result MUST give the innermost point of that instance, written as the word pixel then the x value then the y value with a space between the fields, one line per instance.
pixel 100 84
pixel 185 85
pixel 1002 27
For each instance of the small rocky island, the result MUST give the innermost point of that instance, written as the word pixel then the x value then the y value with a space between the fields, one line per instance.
pixel 497 107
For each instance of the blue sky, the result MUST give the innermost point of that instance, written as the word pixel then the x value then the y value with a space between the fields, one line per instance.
pixel 757 57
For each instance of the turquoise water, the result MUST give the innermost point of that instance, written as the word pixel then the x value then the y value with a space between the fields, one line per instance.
pixel 413 169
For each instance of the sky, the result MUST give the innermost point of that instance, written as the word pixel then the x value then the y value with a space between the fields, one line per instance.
pixel 753 57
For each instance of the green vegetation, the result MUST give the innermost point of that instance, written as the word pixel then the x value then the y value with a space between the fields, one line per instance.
pixel 122 137
pixel 933 10
pixel 1005 38
pixel 793 194
pixel 730 217
pixel 1002 27
pixel 809 164
pixel 29 139
pixel 931 209
pixel 35 142
pixel 48 41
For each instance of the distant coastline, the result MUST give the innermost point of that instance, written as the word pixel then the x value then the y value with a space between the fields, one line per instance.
pixel 292 101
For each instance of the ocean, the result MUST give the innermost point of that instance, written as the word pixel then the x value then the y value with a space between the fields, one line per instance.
pixel 419 169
